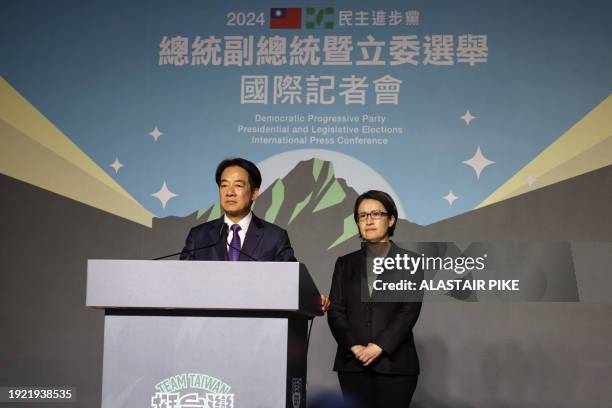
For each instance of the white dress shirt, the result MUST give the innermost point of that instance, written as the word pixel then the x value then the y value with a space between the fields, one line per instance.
pixel 244 226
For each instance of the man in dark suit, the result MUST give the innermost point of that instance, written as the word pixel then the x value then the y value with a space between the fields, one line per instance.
pixel 249 238
pixel 264 242
pixel 239 181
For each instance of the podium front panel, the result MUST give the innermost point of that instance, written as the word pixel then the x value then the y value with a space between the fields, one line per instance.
pixel 158 361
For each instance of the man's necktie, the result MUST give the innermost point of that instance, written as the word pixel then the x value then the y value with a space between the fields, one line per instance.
pixel 233 254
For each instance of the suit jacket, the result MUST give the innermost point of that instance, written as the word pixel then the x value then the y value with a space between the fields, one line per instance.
pixel 263 241
pixel 387 324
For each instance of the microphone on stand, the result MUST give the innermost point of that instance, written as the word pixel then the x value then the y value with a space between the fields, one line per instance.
pixel 242 252
pixel 222 236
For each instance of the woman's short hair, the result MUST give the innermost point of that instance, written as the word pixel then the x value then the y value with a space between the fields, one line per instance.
pixel 383 198
pixel 249 167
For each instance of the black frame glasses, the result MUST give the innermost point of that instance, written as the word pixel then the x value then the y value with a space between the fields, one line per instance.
pixel 375 215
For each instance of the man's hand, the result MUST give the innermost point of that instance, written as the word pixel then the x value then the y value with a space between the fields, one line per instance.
pixel 368 354
pixel 325 303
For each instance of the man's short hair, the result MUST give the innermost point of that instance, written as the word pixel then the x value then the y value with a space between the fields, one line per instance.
pixel 249 167
pixel 383 198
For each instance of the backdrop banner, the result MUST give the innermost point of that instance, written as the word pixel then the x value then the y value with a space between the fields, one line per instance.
pixel 489 123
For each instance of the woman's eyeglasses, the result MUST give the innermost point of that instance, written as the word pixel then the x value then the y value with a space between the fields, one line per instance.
pixel 375 215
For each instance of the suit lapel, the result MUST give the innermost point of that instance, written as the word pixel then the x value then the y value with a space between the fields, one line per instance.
pixel 384 277
pixel 362 267
pixel 252 239
pixel 389 276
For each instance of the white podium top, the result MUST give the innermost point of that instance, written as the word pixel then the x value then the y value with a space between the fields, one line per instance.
pixel 274 286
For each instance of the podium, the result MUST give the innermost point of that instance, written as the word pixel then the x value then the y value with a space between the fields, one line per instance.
pixel 203 333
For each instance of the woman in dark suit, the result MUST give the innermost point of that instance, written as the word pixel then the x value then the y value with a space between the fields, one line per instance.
pixel 376 360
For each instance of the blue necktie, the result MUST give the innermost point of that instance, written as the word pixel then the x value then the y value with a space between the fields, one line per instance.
pixel 233 254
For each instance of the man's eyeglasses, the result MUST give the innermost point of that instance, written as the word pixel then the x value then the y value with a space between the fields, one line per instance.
pixel 375 215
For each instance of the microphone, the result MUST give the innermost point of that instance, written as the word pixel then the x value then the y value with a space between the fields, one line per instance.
pixel 242 252
pixel 222 236
pixel 224 231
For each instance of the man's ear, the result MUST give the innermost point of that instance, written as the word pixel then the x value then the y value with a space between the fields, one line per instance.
pixel 255 194
pixel 391 221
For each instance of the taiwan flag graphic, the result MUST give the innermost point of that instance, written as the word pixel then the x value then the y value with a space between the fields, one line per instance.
pixel 286 18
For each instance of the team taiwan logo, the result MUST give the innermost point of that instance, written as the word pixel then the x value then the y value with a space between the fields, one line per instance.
pixel 192 391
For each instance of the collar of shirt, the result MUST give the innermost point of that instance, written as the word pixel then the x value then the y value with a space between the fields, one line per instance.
pixel 244 226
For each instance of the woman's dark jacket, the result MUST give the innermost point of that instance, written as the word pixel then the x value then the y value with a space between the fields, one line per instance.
pixel 386 323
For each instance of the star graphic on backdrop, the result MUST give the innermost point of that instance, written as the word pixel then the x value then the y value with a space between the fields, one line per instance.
pixel 164 195
pixel 155 133
pixel 478 162
pixel 450 197
pixel 530 179
pixel 468 117
pixel 116 165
